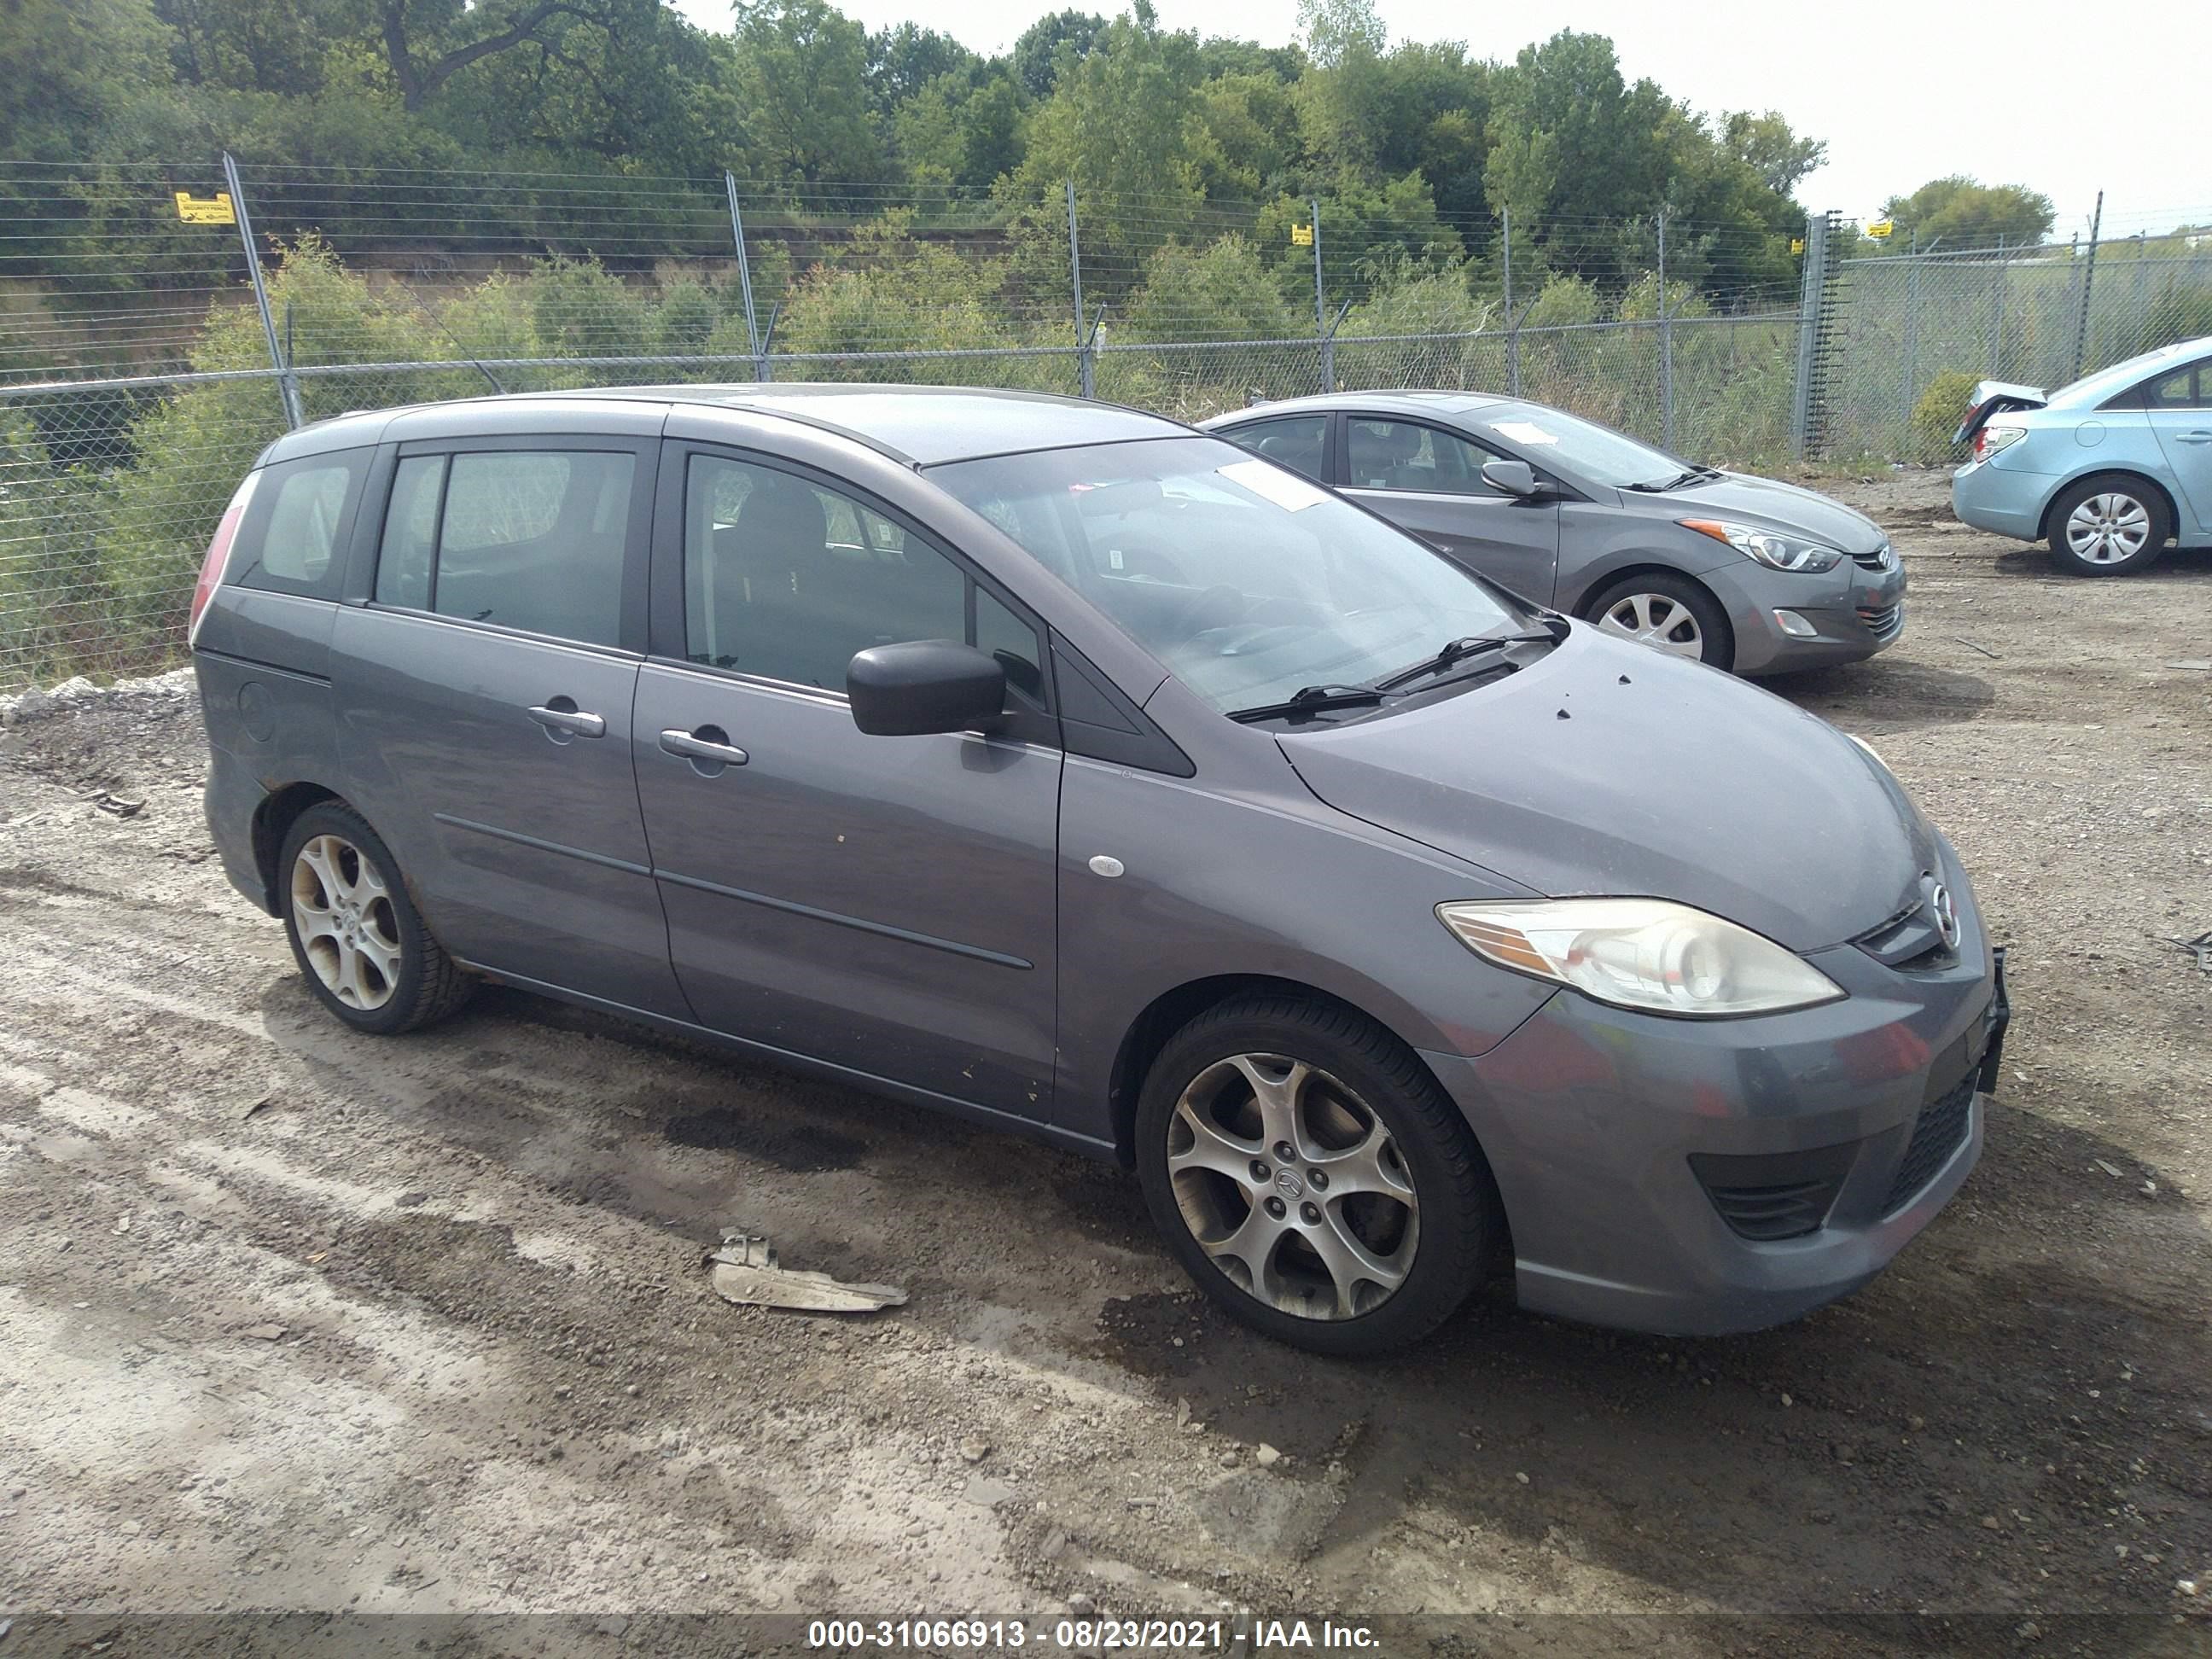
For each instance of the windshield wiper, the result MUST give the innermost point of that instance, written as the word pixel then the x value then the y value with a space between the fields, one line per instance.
pixel 1312 700
pixel 1694 475
pixel 1459 650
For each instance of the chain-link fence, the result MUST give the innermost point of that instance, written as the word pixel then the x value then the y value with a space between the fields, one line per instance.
pixel 161 323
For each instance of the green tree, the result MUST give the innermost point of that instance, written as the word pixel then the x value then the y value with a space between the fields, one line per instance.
pixel 1764 144
pixel 1341 95
pixel 802 64
pixel 1044 45
pixel 1219 292
pixel 1967 214
pixel 903 60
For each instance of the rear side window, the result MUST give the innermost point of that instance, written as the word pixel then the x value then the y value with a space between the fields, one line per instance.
pixel 1402 455
pixel 2187 388
pixel 1298 441
pixel 293 535
pixel 528 539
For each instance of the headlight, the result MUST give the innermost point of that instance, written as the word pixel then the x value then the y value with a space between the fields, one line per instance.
pixel 1646 954
pixel 1771 548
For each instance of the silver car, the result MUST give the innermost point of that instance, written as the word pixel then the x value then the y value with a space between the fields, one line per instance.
pixel 1745 574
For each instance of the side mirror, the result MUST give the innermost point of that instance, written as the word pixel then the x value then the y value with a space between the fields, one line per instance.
pixel 1514 477
pixel 923 686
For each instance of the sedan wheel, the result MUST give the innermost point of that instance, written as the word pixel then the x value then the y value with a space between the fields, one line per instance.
pixel 2110 528
pixel 342 908
pixel 1656 620
pixel 1293 1186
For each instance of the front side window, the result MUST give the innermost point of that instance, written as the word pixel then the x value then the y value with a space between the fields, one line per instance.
pixel 1298 441
pixel 789 580
pixel 1248 581
pixel 1383 455
pixel 528 539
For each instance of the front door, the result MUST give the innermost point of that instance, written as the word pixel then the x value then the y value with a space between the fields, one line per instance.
pixel 484 700
pixel 886 904
pixel 1430 482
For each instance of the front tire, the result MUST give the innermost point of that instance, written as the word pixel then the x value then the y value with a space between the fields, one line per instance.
pixel 1669 613
pixel 360 944
pixel 1376 1227
pixel 2108 526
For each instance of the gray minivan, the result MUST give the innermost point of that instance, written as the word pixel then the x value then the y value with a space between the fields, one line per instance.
pixel 1067 769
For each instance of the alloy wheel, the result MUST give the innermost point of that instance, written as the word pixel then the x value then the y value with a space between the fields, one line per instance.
pixel 1293 1186
pixel 348 930
pixel 2107 529
pixel 1656 620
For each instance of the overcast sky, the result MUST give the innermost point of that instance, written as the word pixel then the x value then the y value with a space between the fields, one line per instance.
pixel 2065 98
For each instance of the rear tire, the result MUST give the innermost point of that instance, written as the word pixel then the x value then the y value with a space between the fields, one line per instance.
pixel 1669 613
pixel 361 945
pixel 1374 1230
pixel 2113 525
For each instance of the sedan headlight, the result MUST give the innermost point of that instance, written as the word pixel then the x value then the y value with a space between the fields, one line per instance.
pixel 1771 548
pixel 1646 954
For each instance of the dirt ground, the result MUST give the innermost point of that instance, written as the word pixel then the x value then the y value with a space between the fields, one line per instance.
pixel 426 1331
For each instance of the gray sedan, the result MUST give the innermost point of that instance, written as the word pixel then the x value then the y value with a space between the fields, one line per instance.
pixel 1742 573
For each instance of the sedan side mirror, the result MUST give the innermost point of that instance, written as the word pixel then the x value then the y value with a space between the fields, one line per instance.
pixel 1514 477
pixel 923 686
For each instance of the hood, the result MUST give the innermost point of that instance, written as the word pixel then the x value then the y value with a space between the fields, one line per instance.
pixel 1771 505
pixel 1667 780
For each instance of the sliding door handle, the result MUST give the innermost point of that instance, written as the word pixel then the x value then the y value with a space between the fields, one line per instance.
pixel 562 724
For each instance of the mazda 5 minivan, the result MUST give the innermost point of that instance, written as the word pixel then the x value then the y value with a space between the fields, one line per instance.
pixel 1062 767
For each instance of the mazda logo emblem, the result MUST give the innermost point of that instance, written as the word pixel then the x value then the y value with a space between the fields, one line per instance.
pixel 1945 912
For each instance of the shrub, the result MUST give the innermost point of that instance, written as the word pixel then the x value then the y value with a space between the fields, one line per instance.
pixel 1936 415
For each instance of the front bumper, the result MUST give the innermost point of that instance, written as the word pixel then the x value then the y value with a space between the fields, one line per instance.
pixel 1633 1153
pixel 1853 611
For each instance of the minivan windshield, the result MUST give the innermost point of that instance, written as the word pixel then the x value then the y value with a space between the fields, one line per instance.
pixel 1552 437
pixel 1250 583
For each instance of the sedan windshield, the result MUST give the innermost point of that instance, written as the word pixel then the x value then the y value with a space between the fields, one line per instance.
pixel 1551 437
pixel 1248 581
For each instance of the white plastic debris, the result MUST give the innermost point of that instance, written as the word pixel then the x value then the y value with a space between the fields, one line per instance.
pixel 746 1271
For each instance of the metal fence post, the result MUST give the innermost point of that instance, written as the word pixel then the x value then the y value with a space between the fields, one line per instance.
pixel 1085 359
pixel 1666 350
pixel 1808 315
pixel 2088 277
pixel 1911 333
pixel 1997 313
pixel 287 384
pixel 1327 353
pixel 1512 323
pixel 745 276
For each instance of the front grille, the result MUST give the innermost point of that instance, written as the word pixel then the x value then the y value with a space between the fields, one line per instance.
pixel 1881 559
pixel 1940 1133
pixel 1884 622
pixel 1909 942
pixel 1774 1195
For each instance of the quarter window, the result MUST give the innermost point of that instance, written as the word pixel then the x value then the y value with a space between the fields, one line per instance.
pixel 789 580
pixel 533 540
pixel 290 539
pixel 1298 441
pixel 1400 455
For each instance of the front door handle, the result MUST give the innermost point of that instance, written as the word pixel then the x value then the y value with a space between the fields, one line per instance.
pixel 2195 438
pixel 709 749
pixel 562 720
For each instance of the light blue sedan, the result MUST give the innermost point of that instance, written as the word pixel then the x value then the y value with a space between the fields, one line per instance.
pixel 2109 469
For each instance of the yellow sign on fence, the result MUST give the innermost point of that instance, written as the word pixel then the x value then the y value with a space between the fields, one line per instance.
pixel 1797 244
pixel 1301 235
pixel 1881 228
pixel 202 211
